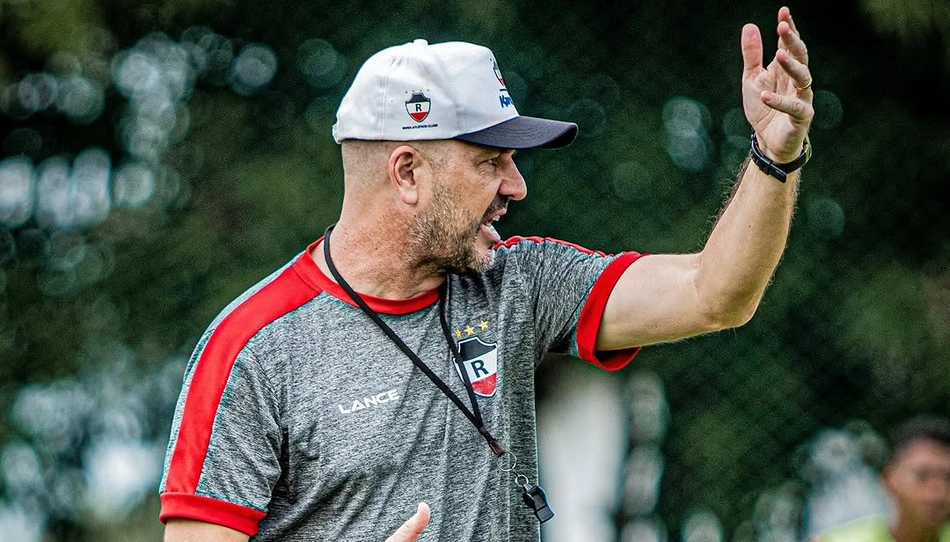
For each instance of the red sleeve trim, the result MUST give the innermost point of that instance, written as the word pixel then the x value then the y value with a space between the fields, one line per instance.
pixel 213 368
pixel 589 322
pixel 196 507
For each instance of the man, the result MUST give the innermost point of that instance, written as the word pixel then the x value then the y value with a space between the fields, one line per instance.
pixel 918 481
pixel 392 362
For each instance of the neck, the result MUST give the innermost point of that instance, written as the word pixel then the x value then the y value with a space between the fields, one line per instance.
pixel 905 531
pixel 372 264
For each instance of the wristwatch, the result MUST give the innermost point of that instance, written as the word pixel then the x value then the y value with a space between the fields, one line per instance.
pixel 779 171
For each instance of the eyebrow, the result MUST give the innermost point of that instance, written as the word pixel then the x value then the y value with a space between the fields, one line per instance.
pixel 491 152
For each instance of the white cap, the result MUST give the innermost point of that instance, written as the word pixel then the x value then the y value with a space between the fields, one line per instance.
pixel 452 90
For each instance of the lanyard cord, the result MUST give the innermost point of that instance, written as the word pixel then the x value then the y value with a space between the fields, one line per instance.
pixel 474 415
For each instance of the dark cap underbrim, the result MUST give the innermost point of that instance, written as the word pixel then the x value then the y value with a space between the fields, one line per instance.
pixel 524 133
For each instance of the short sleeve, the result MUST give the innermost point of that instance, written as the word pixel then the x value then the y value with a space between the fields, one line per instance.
pixel 568 286
pixel 223 456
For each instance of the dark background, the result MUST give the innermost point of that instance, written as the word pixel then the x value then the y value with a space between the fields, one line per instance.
pixel 159 158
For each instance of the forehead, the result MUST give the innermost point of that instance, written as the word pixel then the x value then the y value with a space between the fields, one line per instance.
pixel 464 149
pixel 924 453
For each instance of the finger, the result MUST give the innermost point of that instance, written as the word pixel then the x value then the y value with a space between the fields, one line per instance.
pixel 751 50
pixel 413 527
pixel 797 109
pixel 801 76
pixel 792 42
pixel 785 14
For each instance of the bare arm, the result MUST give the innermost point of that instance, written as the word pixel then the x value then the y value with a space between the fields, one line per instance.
pixel 189 530
pixel 668 297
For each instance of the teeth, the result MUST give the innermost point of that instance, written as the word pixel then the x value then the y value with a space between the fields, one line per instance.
pixel 496 219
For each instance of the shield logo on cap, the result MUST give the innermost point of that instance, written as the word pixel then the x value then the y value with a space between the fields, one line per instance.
pixel 498 73
pixel 480 361
pixel 418 106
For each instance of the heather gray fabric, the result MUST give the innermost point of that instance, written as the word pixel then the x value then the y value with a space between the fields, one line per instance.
pixel 328 427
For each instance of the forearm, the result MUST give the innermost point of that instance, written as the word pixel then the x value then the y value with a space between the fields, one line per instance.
pixel 746 244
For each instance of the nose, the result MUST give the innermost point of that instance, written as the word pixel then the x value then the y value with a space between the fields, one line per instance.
pixel 512 183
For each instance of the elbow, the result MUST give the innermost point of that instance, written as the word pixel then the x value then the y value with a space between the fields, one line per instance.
pixel 731 314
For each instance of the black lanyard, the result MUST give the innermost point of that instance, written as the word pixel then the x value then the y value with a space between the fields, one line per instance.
pixel 532 494
pixel 474 415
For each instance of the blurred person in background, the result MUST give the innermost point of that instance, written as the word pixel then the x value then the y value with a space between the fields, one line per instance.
pixel 301 417
pixel 917 479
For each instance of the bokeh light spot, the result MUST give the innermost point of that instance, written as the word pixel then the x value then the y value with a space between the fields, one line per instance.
pixel 321 64
pixel 65 250
pixel 80 100
pixel 686 124
pixel 632 181
pixel 702 526
pixel 119 474
pixel 253 69
pixel 17 191
pixel 829 111
pixel 826 217
pixel 734 124
pixel 21 468
pixel 57 282
pixel 37 91
pixel 590 116
pixel 133 185
pixel 18 524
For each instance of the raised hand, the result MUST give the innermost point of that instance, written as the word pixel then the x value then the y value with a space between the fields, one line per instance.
pixel 777 98
pixel 413 527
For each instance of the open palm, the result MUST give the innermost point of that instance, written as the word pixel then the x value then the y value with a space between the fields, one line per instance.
pixel 777 98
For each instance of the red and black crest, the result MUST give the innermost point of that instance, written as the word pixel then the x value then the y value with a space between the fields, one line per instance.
pixel 418 106
pixel 480 360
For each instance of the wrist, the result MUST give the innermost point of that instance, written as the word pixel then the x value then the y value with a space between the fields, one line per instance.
pixel 779 170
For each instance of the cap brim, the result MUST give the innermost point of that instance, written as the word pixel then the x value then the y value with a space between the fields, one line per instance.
pixel 525 133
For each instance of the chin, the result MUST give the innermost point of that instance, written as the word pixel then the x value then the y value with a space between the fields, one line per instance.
pixel 475 262
pixel 484 261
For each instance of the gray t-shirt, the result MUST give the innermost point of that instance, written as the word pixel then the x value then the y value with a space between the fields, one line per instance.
pixel 299 420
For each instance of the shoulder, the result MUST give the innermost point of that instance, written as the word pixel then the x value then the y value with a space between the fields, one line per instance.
pixel 540 244
pixel 271 299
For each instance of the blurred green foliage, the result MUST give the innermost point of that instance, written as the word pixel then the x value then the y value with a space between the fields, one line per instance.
pixel 856 324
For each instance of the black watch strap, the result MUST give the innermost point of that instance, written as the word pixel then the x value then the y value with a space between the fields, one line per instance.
pixel 779 171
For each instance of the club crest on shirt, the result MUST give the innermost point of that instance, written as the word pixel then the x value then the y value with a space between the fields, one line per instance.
pixel 480 360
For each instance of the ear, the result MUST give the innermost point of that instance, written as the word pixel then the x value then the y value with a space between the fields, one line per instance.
pixel 405 163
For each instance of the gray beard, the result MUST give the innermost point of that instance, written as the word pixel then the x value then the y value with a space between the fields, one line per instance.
pixel 441 248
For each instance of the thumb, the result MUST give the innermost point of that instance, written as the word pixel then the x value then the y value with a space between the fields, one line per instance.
pixel 751 50
pixel 413 527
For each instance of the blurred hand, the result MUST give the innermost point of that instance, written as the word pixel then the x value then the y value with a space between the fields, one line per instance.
pixel 413 527
pixel 778 98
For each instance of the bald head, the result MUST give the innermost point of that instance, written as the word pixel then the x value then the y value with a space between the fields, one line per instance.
pixel 374 165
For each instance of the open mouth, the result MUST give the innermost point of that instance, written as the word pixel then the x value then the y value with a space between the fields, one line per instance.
pixel 497 210
pixel 489 231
